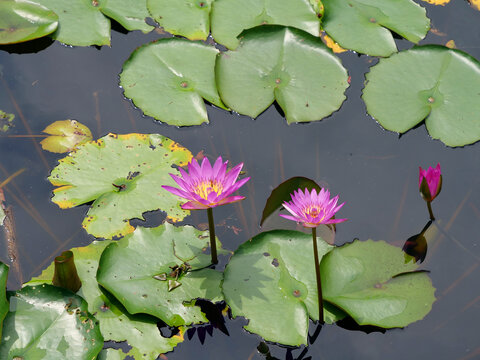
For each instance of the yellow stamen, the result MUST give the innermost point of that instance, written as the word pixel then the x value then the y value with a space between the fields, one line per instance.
pixel 206 187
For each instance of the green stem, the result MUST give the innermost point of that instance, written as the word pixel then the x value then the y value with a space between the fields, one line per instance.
pixel 319 280
pixel 213 244
pixel 430 210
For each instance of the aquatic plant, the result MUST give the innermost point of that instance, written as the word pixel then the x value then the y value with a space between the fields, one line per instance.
pixel 430 185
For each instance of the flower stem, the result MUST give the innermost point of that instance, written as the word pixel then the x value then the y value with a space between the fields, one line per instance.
pixel 319 280
pixel 211 228
pixel 430 210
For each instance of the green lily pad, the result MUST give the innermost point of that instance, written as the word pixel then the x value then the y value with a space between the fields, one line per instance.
pixel 137 270
pixel 362 25
pixel 371 282
pixel 427 82
pixel 130 14
pixel 231 17
pixel 3 297
pixel 188 18
pixel 6 119
pixel 167 79
pixel 116 324
pixel 81 22
pixel 284 64
pixel 272 274
pixel 111 354
pixel 51 323
pixel 24 20
pixel 65 136
pixel 123 175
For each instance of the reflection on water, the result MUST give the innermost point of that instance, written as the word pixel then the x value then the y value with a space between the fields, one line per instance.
pixel 374 171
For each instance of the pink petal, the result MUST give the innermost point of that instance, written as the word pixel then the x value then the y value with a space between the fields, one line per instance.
pixel 193 205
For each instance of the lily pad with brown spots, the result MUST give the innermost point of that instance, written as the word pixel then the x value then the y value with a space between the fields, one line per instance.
pixel 65 135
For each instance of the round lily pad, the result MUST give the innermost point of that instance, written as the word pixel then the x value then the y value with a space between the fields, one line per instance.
pixel 81 22
pixel 24 20
pixel 372 283
pixel 270 280
pixel 362 25
pixel 51 323
pixel 130 14
pixel 188 18
pixel 161 271
pixel 116 324
pixel 429 82
pixel 3 298
pixel 65 135
pixel 231 17
pixel 167 79
pixel 122 175
pixel 284 64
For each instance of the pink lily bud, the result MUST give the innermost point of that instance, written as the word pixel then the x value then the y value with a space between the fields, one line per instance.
pixel 430 182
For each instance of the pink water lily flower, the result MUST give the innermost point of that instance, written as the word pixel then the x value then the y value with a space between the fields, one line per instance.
pixel 206 186
pixel 312 209
pixel 430 182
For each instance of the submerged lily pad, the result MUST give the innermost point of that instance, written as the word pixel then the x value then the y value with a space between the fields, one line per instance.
pixel 429 82
pixel 6 120
pixel 65 136
pixel 189 18
pixel 284 64
pixel 231 17
pixel 122 175
pixel 3 298
pixel 167 79
pixel 362 25
pixel 372 283
pixel 81 22
pixel 130 14
pixel 140 268
pixel 272 274
pixel 24 20
pixel 47 322
pixel 116 324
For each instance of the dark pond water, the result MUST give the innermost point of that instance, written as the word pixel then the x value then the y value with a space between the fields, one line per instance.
pixel 374 171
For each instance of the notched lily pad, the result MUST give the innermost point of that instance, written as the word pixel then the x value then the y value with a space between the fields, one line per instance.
pixel 122 175
pixel 284 64
pixel 362 25
pixel 47 322
pixel 372 283
pixel 272 274
pixel 231 17
pixel 65 135
pixel 116 324
pixel 24 20
pixel 429 82
pixel 130 14
pixel 169 79
pixel 188 18
pixel 137 270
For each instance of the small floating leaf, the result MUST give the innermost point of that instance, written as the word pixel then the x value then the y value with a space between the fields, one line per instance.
pixel 188 18
pixel 65 136
pixel 362 25
pixel 428 82
pixel 24 20
pixel 116 324
pixel 47 322
pixel 231 17
pixel 167 79
pixel 3 298
pixel 284 64
pixel 122 175
pixel 128 268
pixel 130 14
pixel 81 22
pixel 6 119
pixel 372 283
pixel 273 274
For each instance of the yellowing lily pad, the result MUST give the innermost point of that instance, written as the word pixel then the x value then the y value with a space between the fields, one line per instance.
pixel 363 25
pixel 429 82
pixel 65 135
pixel 22 20
pixel 122 175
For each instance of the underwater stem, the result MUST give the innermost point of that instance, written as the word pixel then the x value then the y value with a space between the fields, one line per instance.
pixel 319 280
pixel 211 228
